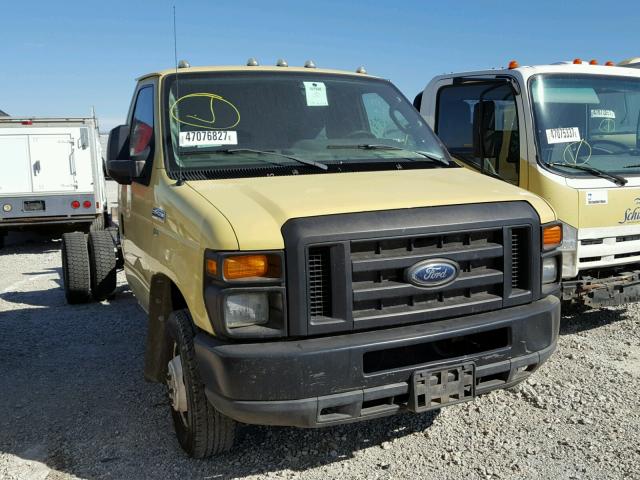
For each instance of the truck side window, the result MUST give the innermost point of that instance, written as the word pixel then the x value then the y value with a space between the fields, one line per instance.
pixel 142 121
pixel 461 109
pixel 380 120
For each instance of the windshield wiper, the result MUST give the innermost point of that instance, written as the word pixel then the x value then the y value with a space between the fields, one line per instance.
pixel 373 146
pixel 617 179
pixel 304 161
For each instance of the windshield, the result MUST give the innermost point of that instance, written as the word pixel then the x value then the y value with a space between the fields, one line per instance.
pixel 264 123
pixel 589 121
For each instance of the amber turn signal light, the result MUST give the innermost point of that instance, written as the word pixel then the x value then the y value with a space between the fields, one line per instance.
pixel 236 267
pixel 212 267
pixel 245 266
pixel 551 237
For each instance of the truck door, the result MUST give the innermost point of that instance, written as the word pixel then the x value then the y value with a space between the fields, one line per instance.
pixel 137 203
pixel 479 124
pixel 52 163
pixel 14 153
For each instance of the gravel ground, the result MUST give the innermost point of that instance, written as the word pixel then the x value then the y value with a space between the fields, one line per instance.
pixel 73 404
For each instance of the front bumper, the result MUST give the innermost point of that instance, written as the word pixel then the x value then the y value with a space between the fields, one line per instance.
pixel 344 378
pixel 616 289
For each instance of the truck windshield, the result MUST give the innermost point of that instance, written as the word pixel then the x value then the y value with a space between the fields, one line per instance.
pixel 264 123
pixel 589 121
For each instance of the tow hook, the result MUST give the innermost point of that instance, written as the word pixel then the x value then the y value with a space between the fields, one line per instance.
pixel 175 383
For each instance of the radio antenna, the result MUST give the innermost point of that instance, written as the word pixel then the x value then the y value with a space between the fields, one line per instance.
pixel 177 115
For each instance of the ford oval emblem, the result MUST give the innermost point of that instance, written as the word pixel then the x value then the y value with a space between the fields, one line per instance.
pixel 433 273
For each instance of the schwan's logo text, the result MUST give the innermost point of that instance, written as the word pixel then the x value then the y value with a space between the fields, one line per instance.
pixel 632 214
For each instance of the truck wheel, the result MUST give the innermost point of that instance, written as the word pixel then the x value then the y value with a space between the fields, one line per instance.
pixel 75 268
pixel 102 259
pixel 201 430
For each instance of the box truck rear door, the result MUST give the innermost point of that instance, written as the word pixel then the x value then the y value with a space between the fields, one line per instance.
pixel 52 163
pixel 14 161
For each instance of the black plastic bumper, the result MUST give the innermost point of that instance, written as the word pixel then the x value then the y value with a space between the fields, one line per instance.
pixel 344 378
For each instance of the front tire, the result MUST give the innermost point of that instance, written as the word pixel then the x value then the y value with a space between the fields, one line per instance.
pixel 202 431
pixel 75 268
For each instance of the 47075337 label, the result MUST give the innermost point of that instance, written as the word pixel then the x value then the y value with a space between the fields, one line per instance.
pixel 202 138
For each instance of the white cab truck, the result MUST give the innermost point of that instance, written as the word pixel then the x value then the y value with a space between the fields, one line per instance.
pixel 569 132
pixel 51 174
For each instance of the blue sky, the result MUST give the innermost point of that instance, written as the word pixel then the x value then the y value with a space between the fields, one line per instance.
pixel 60 58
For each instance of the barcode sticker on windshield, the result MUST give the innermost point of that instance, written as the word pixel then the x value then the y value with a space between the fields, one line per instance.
pixel 208 138
pixel 316 93
pixel 602 113
pixel 563 135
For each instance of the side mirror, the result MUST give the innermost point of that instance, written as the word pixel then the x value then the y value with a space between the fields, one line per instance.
pixel 120 166
pixel 485 143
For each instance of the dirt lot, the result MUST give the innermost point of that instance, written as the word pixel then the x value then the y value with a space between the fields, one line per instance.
pixel 73 403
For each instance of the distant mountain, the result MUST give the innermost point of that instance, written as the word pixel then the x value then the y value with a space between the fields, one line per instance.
pixel 3 114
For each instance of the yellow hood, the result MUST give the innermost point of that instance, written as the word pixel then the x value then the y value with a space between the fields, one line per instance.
pixel 258 207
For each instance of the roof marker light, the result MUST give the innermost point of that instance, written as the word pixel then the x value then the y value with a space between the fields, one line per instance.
pixel 513 64
pixel 577 61
pixel 252 62
pixel 309 64
pixel 281 63
pixel 593 62
pixel 183 64
pixel 609 63
pixel 361 70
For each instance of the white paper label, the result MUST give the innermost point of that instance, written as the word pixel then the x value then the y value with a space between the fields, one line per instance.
pixel 597 197
pixel 563 135
pixel 316 94
pixel 208 138
pixel 602 113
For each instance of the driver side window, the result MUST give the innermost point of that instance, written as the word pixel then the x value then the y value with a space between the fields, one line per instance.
pixel 379 118
pixel 478 123
pixel 142 122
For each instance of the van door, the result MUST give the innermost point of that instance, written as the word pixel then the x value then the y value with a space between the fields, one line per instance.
pixel 16 171
pixel 52 163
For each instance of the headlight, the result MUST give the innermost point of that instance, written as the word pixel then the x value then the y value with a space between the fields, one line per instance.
pixel 7 207
pixel 549 270
pixel 245 309
pixel 245 293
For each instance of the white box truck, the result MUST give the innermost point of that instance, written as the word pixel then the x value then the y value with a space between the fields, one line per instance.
pixel 51 174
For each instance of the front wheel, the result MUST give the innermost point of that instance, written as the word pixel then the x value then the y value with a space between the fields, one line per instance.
pixel 201 430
